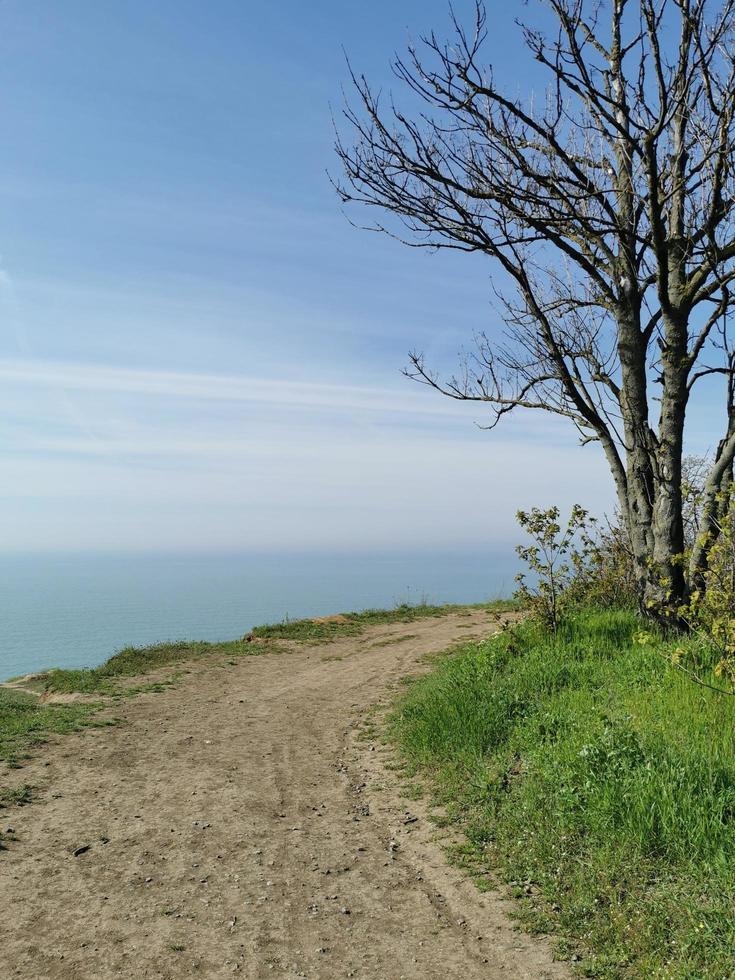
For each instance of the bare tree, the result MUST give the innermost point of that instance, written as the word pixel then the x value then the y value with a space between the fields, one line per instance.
pixel 608 204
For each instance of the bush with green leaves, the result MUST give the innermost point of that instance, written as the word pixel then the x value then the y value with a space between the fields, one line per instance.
pixel 595 566
pixel 710 610
pixel 557 559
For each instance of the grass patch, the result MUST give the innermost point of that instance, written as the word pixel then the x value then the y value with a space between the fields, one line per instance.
pixel 19 796
pixel 25 723
pixel 135 662
pixel 392 640
pixel 598 781
pixel 354 623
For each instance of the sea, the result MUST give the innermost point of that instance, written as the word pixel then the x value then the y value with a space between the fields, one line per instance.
pixel 76 610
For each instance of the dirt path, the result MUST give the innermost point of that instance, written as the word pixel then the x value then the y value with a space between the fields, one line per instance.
pixel 237 824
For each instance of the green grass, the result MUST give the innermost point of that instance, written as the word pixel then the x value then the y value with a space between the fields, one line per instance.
pixel 25 723
pixel 598 781
pixel 136 662
pixel 354 623
pixel 18 796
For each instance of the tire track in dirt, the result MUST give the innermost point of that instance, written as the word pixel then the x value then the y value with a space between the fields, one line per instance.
pixel 237 825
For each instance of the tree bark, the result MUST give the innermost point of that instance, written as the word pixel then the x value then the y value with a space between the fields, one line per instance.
pixel 639 489
pixel 669 591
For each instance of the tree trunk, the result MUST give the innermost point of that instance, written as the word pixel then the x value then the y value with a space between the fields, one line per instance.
pixel 639 491
pixel 668 592
pixel 657 539
pixel 651 502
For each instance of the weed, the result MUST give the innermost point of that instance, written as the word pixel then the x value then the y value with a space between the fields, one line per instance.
pixel 413 791
pixel 19 796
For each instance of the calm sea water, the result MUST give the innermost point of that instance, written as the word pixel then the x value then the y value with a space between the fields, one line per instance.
pixel 76 610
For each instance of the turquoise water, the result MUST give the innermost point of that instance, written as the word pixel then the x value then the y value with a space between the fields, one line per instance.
pixel 76 610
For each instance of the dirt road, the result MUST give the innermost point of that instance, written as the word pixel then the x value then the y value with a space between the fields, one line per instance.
pixel 238 824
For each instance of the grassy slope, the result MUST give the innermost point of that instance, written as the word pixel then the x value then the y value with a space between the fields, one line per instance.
pixel 598 780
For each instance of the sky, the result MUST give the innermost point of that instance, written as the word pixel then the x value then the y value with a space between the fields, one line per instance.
pixel 198 351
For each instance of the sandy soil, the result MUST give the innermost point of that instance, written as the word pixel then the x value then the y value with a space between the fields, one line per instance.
pixel 238 823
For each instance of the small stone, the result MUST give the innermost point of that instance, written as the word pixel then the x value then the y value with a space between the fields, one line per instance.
pixel 345 911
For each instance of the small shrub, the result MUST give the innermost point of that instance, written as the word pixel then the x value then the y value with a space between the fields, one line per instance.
pixel 556 559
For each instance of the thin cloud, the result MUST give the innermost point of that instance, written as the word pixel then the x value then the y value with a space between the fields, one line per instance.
pixel 217 387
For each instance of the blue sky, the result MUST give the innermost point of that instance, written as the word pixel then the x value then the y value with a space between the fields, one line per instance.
pixel 197 350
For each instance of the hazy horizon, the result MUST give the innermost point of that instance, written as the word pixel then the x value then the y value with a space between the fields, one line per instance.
pixel 77 609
